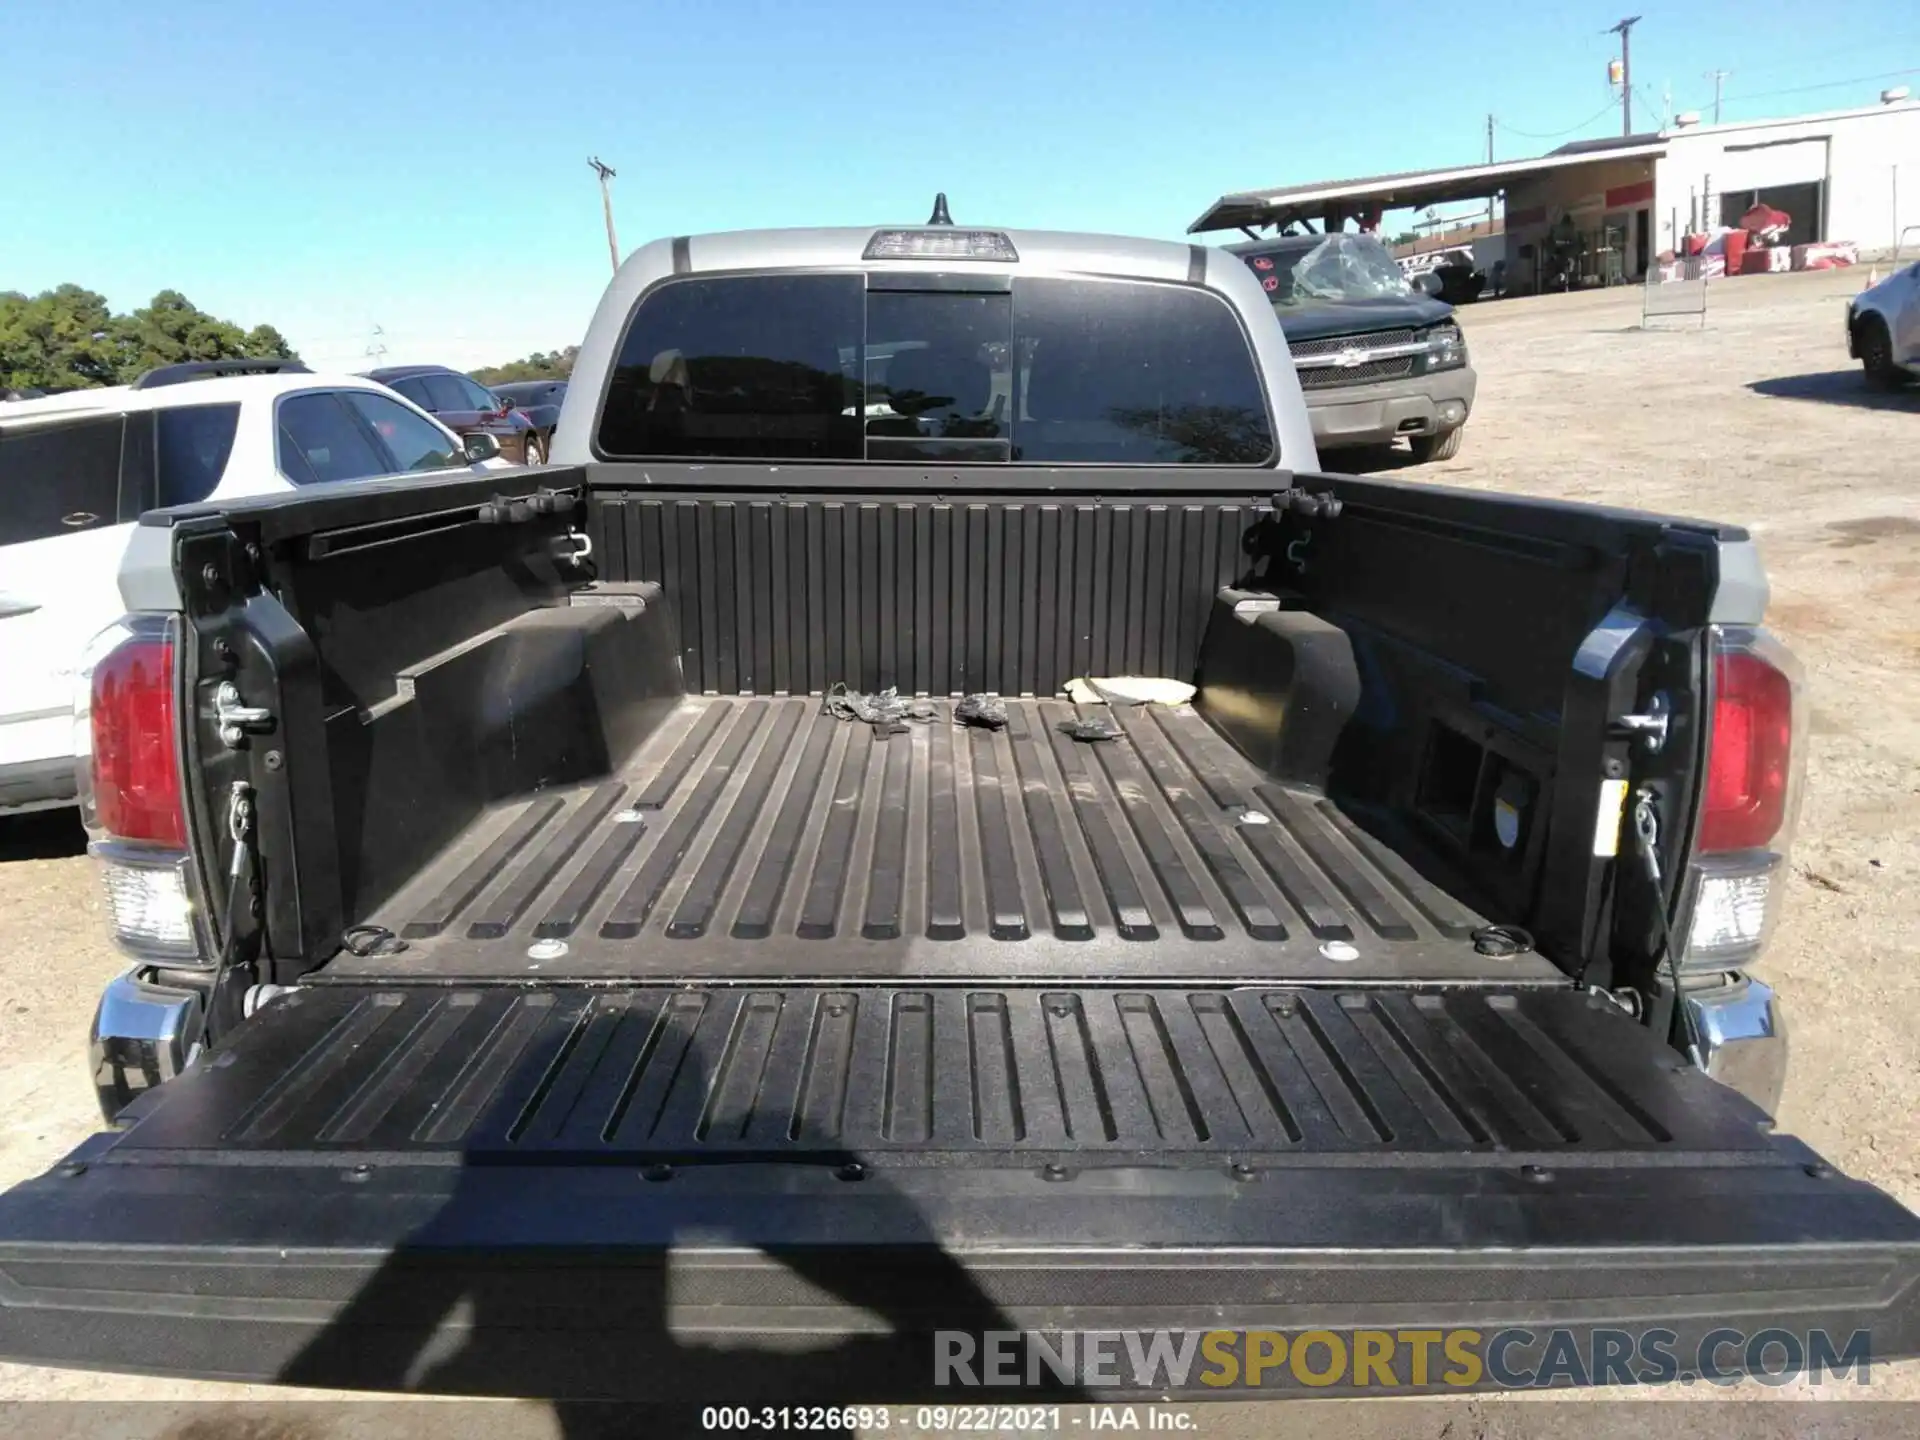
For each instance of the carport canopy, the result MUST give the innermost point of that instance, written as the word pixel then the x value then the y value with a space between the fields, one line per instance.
pixel 1408 190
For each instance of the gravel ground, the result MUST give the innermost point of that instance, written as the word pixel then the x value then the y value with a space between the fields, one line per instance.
pixel 1758 419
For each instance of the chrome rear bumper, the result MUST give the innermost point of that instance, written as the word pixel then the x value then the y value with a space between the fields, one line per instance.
pixel 142 1035
pixel 1743 1038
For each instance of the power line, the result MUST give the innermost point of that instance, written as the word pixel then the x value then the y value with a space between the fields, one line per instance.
pixel 1801 63
pixel 1728 99
pixel 1557 134
pixel 1828 85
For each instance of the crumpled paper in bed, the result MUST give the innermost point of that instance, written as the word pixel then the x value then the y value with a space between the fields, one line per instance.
pixel 1129 690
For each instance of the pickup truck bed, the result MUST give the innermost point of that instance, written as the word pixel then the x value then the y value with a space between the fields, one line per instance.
pixel 758 838
pixel 779 1193
pixel 734 1052
pixel 948 1076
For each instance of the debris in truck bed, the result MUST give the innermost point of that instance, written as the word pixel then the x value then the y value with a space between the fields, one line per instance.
pixel 1095 728
pixel 987 711
pixel 885 710
pixel 1129 690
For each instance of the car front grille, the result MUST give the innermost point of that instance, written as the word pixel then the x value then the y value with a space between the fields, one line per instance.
pixel 1331 344
pixel 1331 377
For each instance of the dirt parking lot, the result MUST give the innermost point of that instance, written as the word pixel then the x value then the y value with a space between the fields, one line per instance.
pixel 1758 419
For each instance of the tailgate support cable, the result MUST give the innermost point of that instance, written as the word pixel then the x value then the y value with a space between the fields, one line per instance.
pixel 1646 835
pixel 242 931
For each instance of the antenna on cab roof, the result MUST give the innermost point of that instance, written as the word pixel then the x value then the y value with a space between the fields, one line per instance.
pixel 940 215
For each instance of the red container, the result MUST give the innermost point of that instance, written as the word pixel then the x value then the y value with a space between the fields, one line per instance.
pixel 1696 244
pixel 1757 261
pixel 1736 243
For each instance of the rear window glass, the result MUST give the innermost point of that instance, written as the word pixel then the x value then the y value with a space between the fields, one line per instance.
pixel 939 380
pixel 816 367
pixel 747 367
pixel 191 446
pixel 1132 374
pixel 59 478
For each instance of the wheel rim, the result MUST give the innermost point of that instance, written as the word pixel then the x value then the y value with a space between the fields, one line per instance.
pixel 1876 351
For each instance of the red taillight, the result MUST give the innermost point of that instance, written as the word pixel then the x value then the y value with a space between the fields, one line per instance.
pixel 136 772
pixel 1749 755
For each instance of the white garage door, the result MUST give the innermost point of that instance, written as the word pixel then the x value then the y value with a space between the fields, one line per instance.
pixel 1759 167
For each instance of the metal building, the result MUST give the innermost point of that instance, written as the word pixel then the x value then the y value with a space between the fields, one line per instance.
pixel 1612 206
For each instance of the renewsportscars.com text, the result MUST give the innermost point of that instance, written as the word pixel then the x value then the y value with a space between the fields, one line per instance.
pixel 1512 1359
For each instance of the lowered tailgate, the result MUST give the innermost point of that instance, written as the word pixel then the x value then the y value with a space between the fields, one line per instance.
pixel 784 1192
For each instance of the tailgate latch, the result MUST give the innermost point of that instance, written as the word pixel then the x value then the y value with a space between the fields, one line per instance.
pixel 1651 727
pixel 236 720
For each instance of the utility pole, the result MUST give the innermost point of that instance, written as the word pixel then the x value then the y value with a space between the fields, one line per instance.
pixel 1717 76
pixel 605 172
pixel 1489 139
pixel 1623 30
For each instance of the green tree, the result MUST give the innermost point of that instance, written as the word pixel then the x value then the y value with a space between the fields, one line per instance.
pixel 67 339
pixel 58 340
pixel 171 329
pixel 554 365
pixel 265 343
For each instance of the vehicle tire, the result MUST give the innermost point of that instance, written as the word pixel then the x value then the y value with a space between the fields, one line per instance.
pixel 1443 446
pixel 536 449
pixel 1875 347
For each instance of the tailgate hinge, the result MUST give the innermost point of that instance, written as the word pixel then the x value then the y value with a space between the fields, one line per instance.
pixel 236 720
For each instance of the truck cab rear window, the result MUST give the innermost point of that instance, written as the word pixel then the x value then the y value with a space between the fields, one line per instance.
pixel 815 367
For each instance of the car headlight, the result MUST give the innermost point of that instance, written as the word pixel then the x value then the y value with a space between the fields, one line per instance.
pixel 1446 348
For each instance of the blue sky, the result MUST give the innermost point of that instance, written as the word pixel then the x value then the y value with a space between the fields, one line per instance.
pixel 330 167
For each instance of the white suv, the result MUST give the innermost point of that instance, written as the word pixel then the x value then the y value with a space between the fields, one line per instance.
pixel 77 469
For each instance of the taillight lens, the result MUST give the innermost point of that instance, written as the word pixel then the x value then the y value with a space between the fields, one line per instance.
pixel 1749 755
pixel 131 799
pixel 1753 769
pixel 135 762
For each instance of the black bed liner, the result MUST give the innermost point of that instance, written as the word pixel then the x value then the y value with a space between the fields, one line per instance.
pixel 781 1194
pixel 944 1076
pixel 758 838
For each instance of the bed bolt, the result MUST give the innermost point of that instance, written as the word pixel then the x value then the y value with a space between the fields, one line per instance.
pixel 1053 1170
pixel 852 1170
pixel 210 574
pixel 1539 1174
pixel 1242 1170
pixel 274 759
pixel 1615 769
pixel 1820 1170
pixel 658 1173
pixel 73 1170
